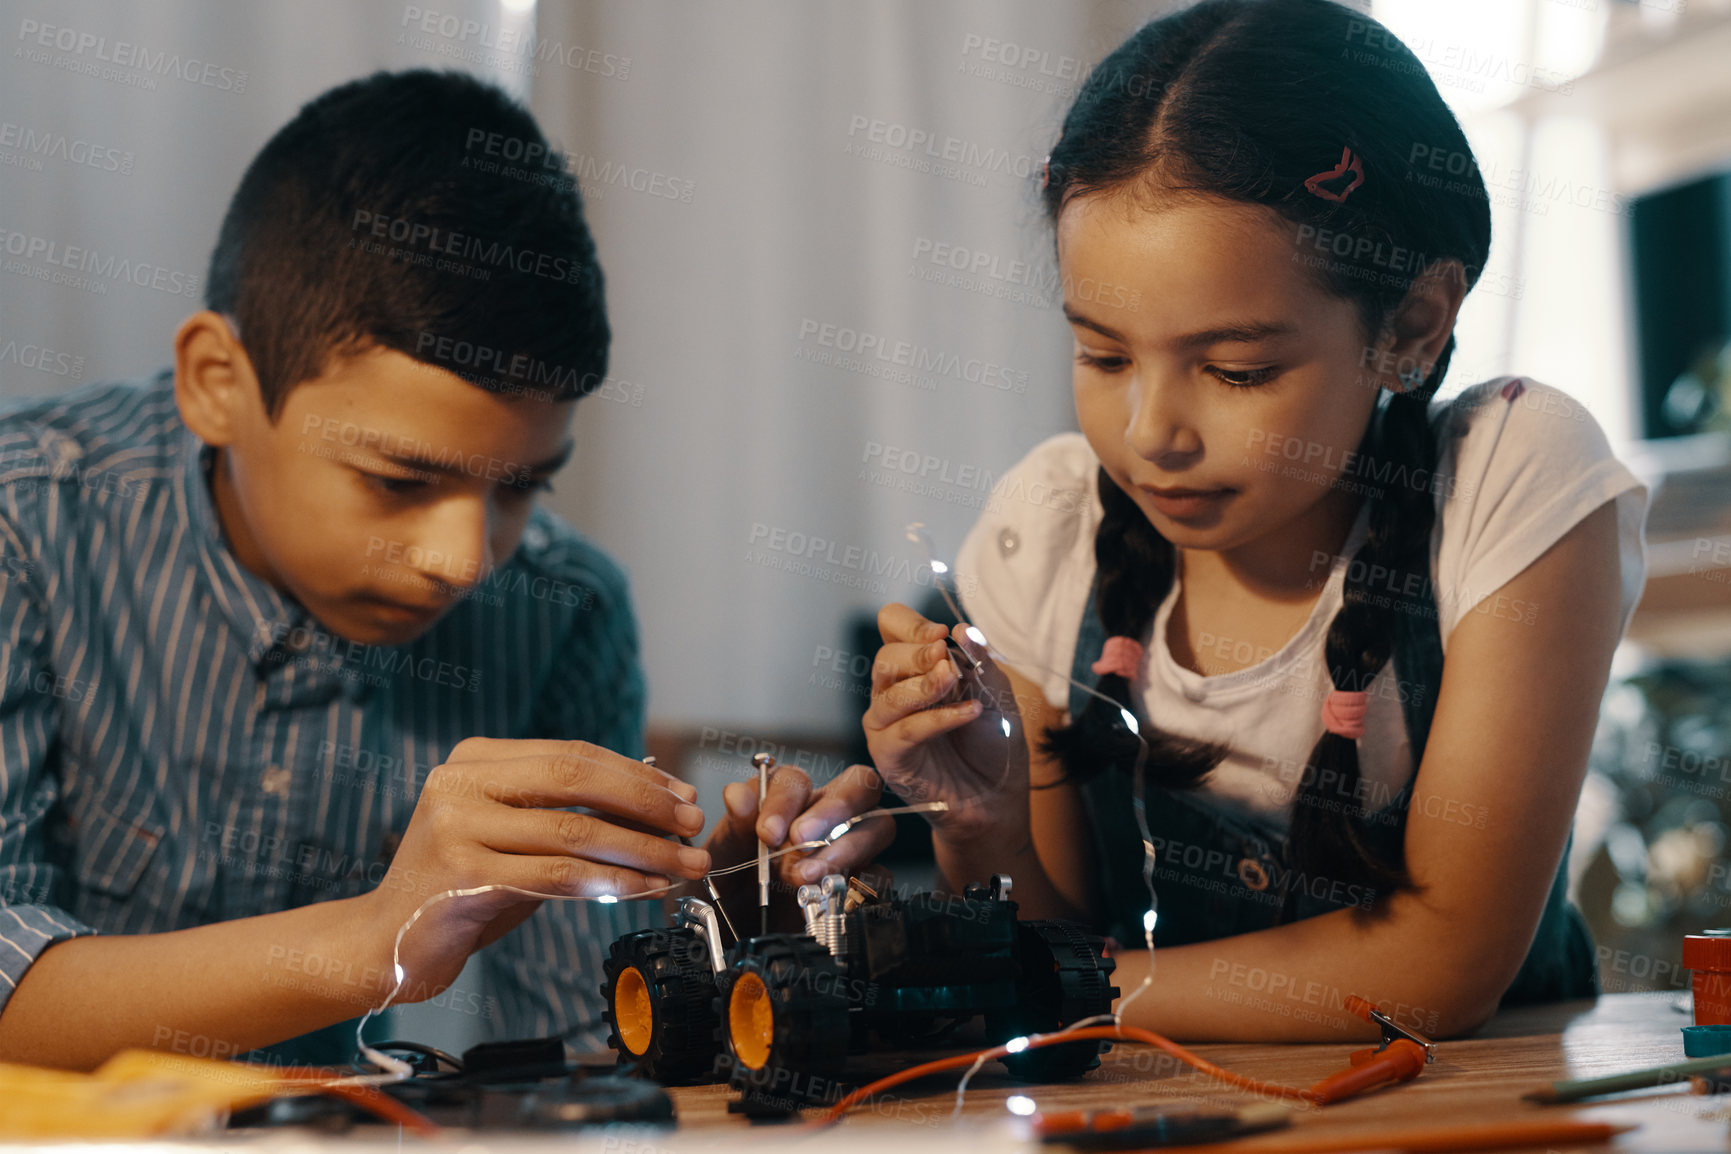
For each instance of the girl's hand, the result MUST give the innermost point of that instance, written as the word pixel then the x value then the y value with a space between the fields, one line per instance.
pixel 793 813
pixel 937 733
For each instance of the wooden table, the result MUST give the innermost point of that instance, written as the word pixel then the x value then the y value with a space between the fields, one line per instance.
pixel 1479 1079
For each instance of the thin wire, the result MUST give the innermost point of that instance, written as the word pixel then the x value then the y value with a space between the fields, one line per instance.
pixel 919 535
pixel 1312 1098
pixel 397 1070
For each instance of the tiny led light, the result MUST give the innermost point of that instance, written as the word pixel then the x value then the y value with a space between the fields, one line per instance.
pixel 1130 721
pixel 975 635
pixel 400 974
pixel 1005 722
pixel 1020 1104
pixel 607 899
pixel 838 831
pixel 940 568
pixel 1015 1045
pixel 1148 920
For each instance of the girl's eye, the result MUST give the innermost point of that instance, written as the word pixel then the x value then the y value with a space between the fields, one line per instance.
pixel 1245 378
pixel 1105 363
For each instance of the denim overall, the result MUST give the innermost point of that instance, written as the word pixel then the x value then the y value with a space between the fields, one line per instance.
pixel 1219 874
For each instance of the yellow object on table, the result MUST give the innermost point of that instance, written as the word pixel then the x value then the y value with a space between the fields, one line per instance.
pixel 146 1093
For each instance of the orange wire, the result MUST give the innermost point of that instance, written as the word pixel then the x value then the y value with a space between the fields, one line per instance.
pixel 368 1098
pixel 1108 1033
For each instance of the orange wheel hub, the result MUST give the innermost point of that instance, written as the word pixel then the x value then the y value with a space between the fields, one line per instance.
pixel 751 1020
pixel 633 1015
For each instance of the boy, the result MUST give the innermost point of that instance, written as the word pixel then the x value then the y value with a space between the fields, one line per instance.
pixel 256 612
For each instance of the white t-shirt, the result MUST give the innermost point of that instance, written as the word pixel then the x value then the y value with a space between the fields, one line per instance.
pixel 1514 473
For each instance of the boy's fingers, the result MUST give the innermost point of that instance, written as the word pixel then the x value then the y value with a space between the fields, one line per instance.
pixel 897 622
pixel 592 840
pixel 516 749
pixel 561 875
pixel 558 780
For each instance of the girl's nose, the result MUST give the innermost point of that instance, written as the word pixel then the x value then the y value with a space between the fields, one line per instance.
pixel 1159 428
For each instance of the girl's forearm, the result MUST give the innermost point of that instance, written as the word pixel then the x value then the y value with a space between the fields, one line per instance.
pixel 211 991
pixel 1290 983
pixel 1012 854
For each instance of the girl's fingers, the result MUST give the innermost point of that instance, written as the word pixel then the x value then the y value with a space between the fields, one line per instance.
pixel 854 791
pixel 897 622
pixel 911 696
pixel 899 662
pixel 896 739
pixel 972 640
pixel 789 789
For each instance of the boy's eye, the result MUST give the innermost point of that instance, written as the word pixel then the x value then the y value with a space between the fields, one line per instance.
pixel 1105 362
pixel 1244 378
pixel 529 489
pixel 396 486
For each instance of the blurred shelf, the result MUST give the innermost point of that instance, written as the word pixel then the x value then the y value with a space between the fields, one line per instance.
pixel 1662 90
pixel 1685 608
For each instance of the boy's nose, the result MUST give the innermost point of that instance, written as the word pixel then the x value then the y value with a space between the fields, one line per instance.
pixel 457 545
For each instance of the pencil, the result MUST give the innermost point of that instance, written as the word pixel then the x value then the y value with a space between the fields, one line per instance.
pixel 1488 1136
pixel 1633 1080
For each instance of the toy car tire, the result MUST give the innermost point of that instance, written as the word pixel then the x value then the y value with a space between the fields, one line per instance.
pixel 659 995
pixel 1061 978
pixel 781 1009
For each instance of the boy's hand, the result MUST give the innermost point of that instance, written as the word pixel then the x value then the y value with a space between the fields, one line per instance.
pixel 793 813
pixel 491 813
pixel 939 733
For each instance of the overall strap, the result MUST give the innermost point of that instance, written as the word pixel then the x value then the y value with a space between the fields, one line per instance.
pixel 1215 874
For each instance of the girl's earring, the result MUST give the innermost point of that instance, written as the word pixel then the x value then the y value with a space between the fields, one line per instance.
pixel 1412 378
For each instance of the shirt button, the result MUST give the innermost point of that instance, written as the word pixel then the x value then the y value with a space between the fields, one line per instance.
pixel 535 537
pixel 1251 873
pixel 1008 542
pixel 275 781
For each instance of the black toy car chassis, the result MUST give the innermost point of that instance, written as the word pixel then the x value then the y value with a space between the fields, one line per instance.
pixel 777 1015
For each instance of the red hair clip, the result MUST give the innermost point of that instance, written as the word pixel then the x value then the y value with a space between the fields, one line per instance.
pixel 1349 162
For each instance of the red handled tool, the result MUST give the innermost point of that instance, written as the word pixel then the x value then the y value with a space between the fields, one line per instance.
pixel 1400 1057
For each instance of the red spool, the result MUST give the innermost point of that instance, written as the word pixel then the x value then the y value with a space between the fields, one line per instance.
pixel 1708 956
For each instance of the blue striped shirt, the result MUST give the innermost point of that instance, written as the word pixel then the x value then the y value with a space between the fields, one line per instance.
pixel 181 743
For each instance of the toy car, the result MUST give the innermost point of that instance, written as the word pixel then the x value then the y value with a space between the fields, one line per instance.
pixel 777 1015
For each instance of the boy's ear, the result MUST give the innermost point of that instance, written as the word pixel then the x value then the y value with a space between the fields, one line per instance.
pixel 214 382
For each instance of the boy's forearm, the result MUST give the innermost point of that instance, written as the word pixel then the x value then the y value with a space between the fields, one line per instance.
pixel 213 991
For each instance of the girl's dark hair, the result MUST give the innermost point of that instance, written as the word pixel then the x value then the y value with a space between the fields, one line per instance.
pixel 1247 100
pixel 418 211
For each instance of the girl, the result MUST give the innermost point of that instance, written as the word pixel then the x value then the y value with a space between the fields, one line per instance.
pixel 1257 552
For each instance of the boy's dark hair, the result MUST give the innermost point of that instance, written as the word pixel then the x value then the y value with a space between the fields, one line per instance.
pixel 418 211
pixel 1253 101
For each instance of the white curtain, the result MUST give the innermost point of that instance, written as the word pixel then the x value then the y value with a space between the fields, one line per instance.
pixel 770 185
